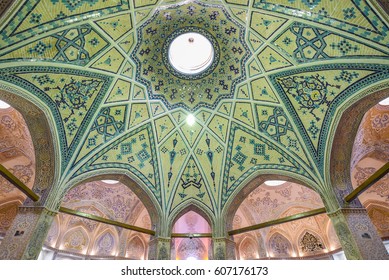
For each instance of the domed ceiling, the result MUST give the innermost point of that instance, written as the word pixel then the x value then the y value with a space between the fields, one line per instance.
pixel 280 73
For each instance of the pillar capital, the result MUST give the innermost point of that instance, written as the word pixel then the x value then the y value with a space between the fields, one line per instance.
pixel 160 248
pixel 357 234
pixel 223 248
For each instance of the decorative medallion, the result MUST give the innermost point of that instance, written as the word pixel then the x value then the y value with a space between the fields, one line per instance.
pixel 205 82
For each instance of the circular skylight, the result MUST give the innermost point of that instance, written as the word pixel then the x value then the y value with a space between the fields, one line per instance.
pixel 191 53
pixel 4 105
pixel 190 120
pixel 384 102
pixel 110 182
pixel 274 183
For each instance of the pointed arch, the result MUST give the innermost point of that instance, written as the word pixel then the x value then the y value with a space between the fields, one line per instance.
pixel 310 242
pixel 137 187
pixel 106 243
pixel 187 206
pixel 191 248
pixel 379 214
pixel 337 162
pixel 41 126
pixel 279 245
pixel 248 248
pixel 250 185
pixel 136 248
pixel 75 240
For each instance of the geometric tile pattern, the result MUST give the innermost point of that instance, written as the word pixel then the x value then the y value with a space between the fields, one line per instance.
pixel 206 88
pixel 305 43
pixel 282 71
pixel 355 16
pixel 247 152
pixel 312 95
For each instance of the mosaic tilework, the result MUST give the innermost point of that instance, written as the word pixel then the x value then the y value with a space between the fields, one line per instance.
pixel 243 112
pixel 265 25
pixel 32 17
pixel 355 16
pixel 98 65
pixel 120 92
pixel 115 27
pixel 219 125
pixel 272 60
pixel 262 91
pixel 211 153
pixel 191 132
pixel 240 14
pixel 275 123
pixel 191 91
pixel 109 123
pixel 173 153
pixel 163 126
pixel 74 46
pixel 191 186
pixel 311 96
pixel 110 62
pixel 134 151
pixel 306 43
pixel 248 152
pixel 73 96
pixel 139 113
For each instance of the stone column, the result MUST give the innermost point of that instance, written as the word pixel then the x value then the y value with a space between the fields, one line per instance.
pixel 357 234
pixel 159 248
pixel 223 249
pixel 25 238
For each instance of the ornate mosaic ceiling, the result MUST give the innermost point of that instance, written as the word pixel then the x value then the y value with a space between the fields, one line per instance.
pixel 282 70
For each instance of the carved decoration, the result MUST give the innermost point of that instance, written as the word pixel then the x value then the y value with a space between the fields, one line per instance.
pixel 191 248
pixel 280 246
pixel 310 243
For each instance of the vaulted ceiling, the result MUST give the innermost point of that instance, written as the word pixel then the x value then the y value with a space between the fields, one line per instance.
pixel 281 72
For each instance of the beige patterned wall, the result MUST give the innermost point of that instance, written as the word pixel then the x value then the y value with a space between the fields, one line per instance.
pixel 17 155
pixel 371 151
pixel 301 238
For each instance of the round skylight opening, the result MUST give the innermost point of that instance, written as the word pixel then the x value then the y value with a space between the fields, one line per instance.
pixel 110 182
pixel 384 102
pixel 4 105
pixel 191 53
pixel 190 120
pixel 274 183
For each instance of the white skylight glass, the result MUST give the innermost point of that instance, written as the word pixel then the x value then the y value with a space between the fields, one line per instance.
pixel 191 53
pixel 4 105
pixel 274 183
pixel 110 182
pixel 384 102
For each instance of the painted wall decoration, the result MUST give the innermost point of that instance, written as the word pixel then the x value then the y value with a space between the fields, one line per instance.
pixel 280 246
pixel 310 243
pixel 282 71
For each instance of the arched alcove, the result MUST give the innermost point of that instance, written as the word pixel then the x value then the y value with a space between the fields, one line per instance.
pixel 190 221
pixel 106 243
pixel 279 246
pixel 272 200
pixel 347 122
pixel 136 248
pixel 108 199
pixel 75 240
pixel 36 142
pixel 310 243
pixel 248 249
